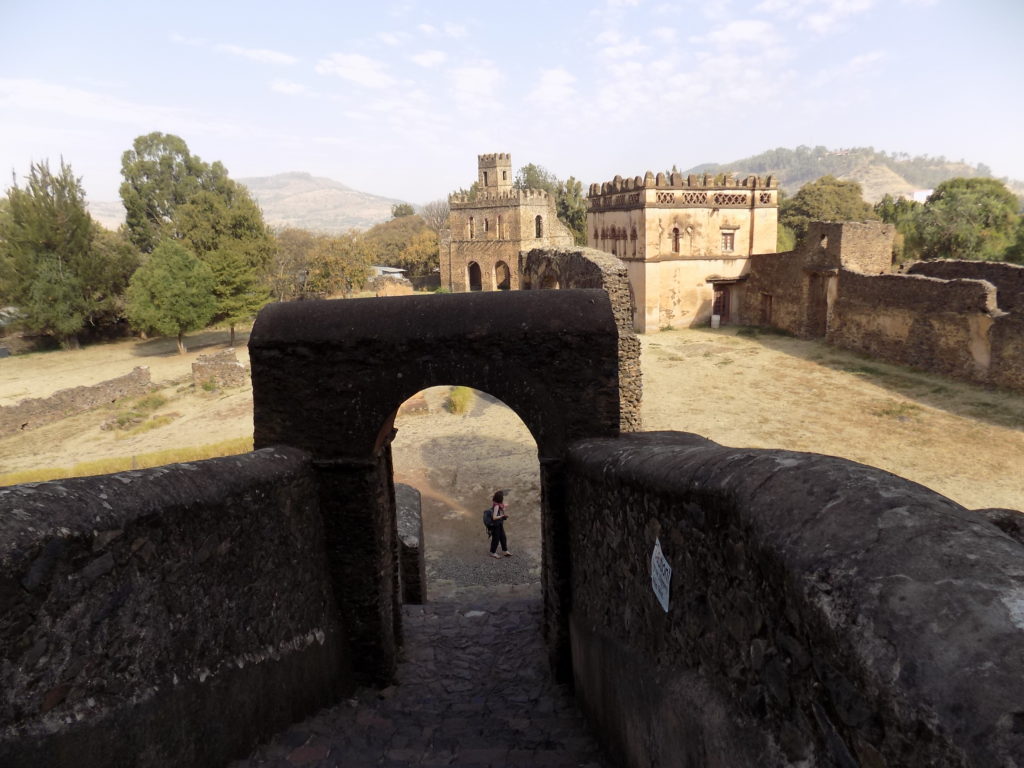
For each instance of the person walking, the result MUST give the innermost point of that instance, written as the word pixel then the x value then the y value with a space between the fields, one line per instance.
pixel 497 528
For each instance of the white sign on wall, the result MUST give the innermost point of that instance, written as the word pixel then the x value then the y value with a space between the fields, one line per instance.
pixel 661 575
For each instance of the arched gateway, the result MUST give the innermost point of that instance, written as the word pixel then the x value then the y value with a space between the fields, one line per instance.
pixel 329 376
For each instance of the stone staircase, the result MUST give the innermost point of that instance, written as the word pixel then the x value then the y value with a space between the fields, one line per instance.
pixel 473 690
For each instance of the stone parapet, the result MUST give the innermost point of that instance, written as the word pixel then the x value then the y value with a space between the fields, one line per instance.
pixel 819 611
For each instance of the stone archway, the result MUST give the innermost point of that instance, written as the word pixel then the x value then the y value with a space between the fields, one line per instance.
pixel 329 377
pixel 474 280
pixel 502 276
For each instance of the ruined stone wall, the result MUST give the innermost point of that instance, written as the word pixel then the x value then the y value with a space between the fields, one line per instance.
pixel 164 617
pixel 1007 278
pixel 589 268
pixel 219 369
pixel 36 412
pixel 820 612
pixel 931 324
pixel 775 293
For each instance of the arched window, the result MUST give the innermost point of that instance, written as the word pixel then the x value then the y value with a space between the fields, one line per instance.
pixel 632 236
pixel 597 237
pixel 538 225
pixel 675 239
pixel 472 229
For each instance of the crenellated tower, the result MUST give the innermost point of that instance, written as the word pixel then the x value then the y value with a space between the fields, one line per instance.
pixel 495 172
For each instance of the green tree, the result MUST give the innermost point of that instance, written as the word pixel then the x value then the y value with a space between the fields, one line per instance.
pixel 420 256
pixel 386 241
pixel 290 266
pixel 570 203
pixel 902 213
pixel 224 227
pixel 572 209
pixel 826 199
pixel 337 265
pixel 398 210
pixel 161 174
pixel 55 266
pixel 973 218
pixel 172 293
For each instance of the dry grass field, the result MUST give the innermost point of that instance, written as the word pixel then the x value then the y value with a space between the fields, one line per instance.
pixel 735 386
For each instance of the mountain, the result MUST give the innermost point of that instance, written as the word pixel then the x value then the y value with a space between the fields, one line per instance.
pixel 316 203
pixel 878 173
pixel 106 212
pixel 293 200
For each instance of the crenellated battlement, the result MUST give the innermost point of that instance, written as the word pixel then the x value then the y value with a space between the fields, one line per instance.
pixel 494 158
pixel 704 181
pixel 487 197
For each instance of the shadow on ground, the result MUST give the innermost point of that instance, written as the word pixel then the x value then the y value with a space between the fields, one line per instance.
pixel 165 345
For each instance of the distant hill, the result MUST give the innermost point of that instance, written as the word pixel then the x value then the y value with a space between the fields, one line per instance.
pixel 316 203
pixel 293 200
pixel 108 213
pixel 877 172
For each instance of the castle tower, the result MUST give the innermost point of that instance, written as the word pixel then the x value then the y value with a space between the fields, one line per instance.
pixel 495 172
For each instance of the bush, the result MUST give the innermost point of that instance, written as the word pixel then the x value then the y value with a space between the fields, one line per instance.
pixel 459 400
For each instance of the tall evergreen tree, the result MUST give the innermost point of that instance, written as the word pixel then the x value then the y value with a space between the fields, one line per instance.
pixel 172 293
pixel 161 174
pixel 57 265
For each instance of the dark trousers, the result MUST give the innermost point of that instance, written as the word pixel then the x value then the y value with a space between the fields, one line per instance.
pixel 498 537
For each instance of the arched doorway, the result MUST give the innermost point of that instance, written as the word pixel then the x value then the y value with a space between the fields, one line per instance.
pixel 329 377
pixel 549 280
pixel 502 276
pixel 473 279
pixel 455 458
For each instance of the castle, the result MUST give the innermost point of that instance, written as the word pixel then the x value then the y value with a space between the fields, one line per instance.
pixel 486 231
pixel 686 241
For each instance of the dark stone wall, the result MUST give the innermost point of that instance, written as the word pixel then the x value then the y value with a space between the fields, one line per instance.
pixel 1007 278
pixel 590 268
pixel 38 411
pixel 170 616
pixel 775 293
pixel 820 611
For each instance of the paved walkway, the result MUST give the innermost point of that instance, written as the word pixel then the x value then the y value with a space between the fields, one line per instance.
pixel 452 705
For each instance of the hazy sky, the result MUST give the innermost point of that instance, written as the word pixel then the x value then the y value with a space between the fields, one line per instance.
pixel 397 98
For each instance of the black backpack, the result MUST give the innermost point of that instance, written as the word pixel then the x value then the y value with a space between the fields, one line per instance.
pixel 489 519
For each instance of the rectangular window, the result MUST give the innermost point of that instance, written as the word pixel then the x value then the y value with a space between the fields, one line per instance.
pixel 485 178
pixel 728 242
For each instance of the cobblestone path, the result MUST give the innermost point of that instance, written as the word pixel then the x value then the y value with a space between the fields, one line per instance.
pixel 473 691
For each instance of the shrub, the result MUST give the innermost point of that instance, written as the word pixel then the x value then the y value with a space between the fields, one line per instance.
pixel 459 400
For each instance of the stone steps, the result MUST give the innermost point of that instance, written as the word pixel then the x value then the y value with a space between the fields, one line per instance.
pixel 473 690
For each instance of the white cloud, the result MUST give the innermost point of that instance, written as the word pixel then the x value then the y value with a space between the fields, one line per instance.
pixel 194 42
pixel 864 64
pixel 554 88
pixel 475 88
pixel 627 49
pixel 820 16
pixel 280 85
pixel 665 34
pixel 427 29
pixel 742 31
pixel 355 68
pixel 257 54
pixel 390 38
pixel 42 96
pixel 456 31
pixel 430 58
